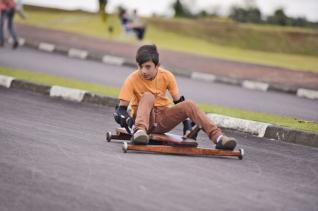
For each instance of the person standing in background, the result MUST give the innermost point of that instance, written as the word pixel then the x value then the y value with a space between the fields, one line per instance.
pixel 7 8
pixel 132 23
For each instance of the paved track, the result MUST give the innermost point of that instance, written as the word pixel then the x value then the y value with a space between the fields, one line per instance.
pixel 220 94
pixel 53 157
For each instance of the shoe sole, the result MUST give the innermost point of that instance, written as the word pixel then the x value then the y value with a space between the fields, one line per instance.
pixel 141 139
pixel 230 145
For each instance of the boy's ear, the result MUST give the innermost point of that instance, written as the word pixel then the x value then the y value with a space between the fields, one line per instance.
pixel 158 65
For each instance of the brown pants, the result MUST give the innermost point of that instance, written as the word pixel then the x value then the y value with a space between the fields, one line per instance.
pixel 163 119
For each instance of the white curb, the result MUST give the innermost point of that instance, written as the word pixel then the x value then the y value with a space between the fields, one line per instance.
pixel 21 41
pixel 10 41
pixel 67 93
pixel 6 81
pixel 46 47
pixel 255 85
pixel 203 76
pixel 77 53
pixel 311 94
pixel 113 60
pixel 248 126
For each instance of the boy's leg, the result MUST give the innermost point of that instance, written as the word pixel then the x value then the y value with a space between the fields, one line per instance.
pixel 2 13
pixel 138 33
pixel 145 107
pixel 11 13
pixel 142 120
pixel 171 117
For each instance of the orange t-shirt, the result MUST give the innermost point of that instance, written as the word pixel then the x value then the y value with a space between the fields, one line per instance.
pixel 135 86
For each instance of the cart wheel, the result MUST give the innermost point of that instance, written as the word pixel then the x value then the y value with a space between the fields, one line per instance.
pixel 241 154
pixel 108 136
pixel 125 147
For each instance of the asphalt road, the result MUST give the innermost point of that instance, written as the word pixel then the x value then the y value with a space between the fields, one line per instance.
pixel 219 94
pixel 53 156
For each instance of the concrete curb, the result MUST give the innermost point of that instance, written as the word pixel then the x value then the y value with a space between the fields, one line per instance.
pixel 292 136
pixel 29 86
pixel 67 93
pixel 247 126
pixel 259 129
pixel 120 61
pixel 311 94
pixel 6 81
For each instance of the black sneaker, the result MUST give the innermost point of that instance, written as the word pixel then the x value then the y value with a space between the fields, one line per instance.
pixel 226 143
pixel 15 45
pixel 140 137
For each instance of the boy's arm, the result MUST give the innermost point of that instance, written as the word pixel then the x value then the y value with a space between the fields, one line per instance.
pixel 126 92
pixel 176 97
pixel 121 115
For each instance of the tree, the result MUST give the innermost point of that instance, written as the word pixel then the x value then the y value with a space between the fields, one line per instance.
pixel 300 21
pixel 238 14
pixel 279 18
pixel 254 15
pixel 180 10
pixel 246 15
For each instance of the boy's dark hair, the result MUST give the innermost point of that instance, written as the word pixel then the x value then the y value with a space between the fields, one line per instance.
pixel 147 53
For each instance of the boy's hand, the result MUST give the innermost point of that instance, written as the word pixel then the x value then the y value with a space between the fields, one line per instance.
pixel 122 117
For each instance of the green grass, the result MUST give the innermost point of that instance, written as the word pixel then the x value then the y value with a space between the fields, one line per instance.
pixel 78 22
pixel 90 24
pixel 244 36
pixel 47 79
pixel 187 44
pixel 267 27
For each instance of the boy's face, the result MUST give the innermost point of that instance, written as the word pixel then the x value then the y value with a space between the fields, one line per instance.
pixel 148 70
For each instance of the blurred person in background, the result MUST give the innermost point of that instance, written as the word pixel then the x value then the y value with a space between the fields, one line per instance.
pixel 132 23
pixel 7 8
pixel 135 19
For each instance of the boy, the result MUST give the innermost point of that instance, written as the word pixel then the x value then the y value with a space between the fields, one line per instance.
pixel 145 91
